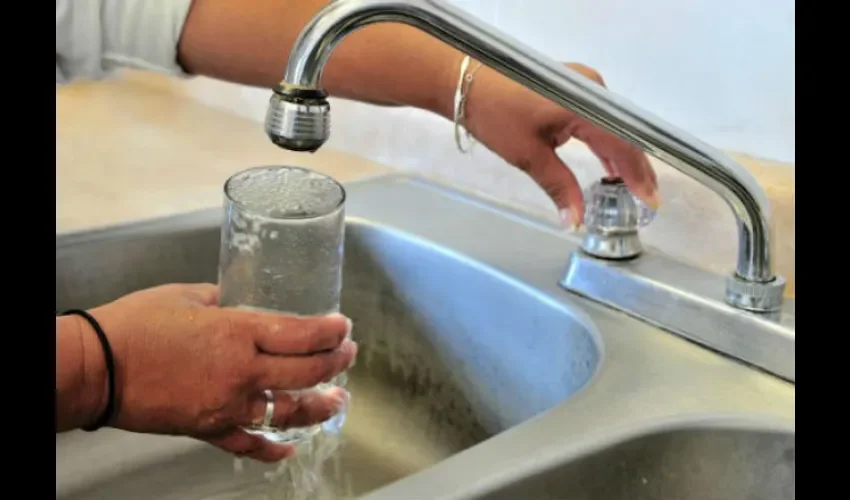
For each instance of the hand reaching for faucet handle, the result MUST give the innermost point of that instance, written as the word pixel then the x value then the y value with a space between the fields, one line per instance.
pixel 525 128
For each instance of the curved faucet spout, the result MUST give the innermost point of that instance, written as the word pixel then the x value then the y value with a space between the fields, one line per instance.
pixel 298 102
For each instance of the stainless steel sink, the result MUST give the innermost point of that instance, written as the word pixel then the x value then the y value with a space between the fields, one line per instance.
pixel 478 375
pixel 693 463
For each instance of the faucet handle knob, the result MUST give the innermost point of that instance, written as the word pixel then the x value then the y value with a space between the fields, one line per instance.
pixel 612 218
pixel 611 207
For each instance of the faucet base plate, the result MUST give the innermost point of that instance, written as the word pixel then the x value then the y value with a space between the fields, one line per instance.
pixel 688 302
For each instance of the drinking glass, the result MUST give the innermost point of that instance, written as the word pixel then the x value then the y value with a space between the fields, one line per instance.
pixel 282 252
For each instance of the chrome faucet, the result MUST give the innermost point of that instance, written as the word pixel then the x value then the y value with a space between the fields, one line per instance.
pixel 298 119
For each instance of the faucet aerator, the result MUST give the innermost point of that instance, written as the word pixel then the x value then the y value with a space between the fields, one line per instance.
pixel 298 119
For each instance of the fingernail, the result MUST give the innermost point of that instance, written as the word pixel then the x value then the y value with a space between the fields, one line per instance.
pixel 578 217
pixel 338 397
pixel 349 345
pixel 341 401
pixel 353 348
pixel 570 219
pixel 567 219
pixel 651 199
pixel 653 177
pixel 349 326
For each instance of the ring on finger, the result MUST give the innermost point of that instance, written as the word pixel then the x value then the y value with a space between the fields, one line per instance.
pixel 267 418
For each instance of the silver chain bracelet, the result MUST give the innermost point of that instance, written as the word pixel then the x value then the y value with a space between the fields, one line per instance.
pixel 464 82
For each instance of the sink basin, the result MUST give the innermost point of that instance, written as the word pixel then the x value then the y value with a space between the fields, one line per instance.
pixel 451 353
pixel 673 464
pixel 478 376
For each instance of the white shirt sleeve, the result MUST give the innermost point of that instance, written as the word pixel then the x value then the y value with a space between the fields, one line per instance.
pixel 95 37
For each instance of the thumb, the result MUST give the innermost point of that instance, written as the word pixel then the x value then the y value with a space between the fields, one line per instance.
pixel 205 294
pixel 242 444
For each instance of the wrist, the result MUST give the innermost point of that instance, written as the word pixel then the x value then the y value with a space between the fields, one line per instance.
pixel 445 86
pixel 79 375
pixel 82 389
pixel 95 391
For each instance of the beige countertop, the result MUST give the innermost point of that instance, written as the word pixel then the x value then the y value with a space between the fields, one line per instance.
pixel 131 149
pixel 137 147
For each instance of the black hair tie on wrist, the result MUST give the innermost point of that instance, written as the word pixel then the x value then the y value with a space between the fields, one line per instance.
pixel 106 416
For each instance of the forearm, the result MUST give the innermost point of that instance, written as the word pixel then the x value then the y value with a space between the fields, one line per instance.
pixel 249 43
pixel 80 374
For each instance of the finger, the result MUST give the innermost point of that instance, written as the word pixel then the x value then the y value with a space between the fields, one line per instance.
pixel 587 72
pixel 299 409
pixel 303 335
pixel 272 452
pixel 609 167
pixel 243 444
pixel 205 294
pixel 302 372
pixel 648 170
pixel 627 160
pixel 653 176
pixel 613 171
pixel 560 184
pixel 620 158
pixel 291 335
